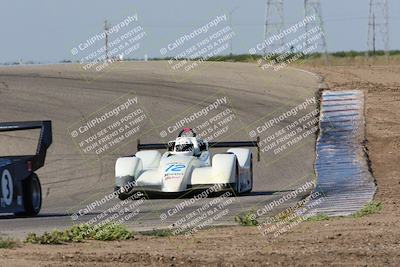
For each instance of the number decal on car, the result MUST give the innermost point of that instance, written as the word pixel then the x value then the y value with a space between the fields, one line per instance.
pixel 7 187
pixel 175 168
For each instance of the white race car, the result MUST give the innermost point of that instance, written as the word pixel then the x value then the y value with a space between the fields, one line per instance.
pixel 186 165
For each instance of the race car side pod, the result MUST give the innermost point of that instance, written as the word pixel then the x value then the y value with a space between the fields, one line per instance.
pixel 45 138
pixel 210 144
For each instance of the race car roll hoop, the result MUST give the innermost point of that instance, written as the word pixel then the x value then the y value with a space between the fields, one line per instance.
pixel 210 145
pixel 188 132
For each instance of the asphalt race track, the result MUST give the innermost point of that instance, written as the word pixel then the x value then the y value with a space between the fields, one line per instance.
pixel 67 95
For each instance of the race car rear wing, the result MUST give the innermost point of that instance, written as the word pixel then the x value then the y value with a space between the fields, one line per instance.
pixel 45 138
pixel 210 145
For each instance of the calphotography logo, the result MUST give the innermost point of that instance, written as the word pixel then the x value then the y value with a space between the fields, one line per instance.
pixel 115 44
pixel 298 47
pixel 286 131
pixel 212 119
pixel 110 127
pixel 193 48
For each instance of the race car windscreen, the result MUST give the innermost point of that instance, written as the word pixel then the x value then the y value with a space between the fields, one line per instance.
pixel 184 147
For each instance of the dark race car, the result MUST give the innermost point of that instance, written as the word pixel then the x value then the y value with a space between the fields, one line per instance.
pixel 20 190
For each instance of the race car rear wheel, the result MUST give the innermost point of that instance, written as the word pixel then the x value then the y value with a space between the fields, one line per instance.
pixel 32 196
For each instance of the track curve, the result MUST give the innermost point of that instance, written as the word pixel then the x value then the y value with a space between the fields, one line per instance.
pixel 62 94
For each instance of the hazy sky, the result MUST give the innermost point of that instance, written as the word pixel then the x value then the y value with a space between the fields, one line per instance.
pixel 46 30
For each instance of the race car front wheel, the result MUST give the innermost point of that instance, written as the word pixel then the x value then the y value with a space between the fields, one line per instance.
pixel 251 178
pixel 32 196
pixel 237 189
pixel 122 195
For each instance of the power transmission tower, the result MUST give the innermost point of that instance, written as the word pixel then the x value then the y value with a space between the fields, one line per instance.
pixel 313 8
pixel 378 26
pixel 274 22
pixel 231 26
pixel 106 28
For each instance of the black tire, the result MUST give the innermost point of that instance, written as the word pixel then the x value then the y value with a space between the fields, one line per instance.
pixel 237 184
pixel 122 195
pixel 32 196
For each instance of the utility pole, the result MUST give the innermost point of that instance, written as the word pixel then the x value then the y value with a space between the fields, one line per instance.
pixel 106 28
pixel 378 26
pixel 313 7
pixel 231 25
pixel 274 22
pixel 373 33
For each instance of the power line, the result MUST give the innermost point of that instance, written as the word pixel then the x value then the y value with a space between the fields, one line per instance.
pixel 106 28
pixel 231 26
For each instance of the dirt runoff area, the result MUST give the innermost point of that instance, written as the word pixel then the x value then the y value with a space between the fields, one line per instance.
pixel 368 241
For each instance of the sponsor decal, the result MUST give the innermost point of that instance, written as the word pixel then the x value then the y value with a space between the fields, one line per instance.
pixel 174 171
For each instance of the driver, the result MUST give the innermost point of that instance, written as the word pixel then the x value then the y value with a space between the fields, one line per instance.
pixel 184 146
